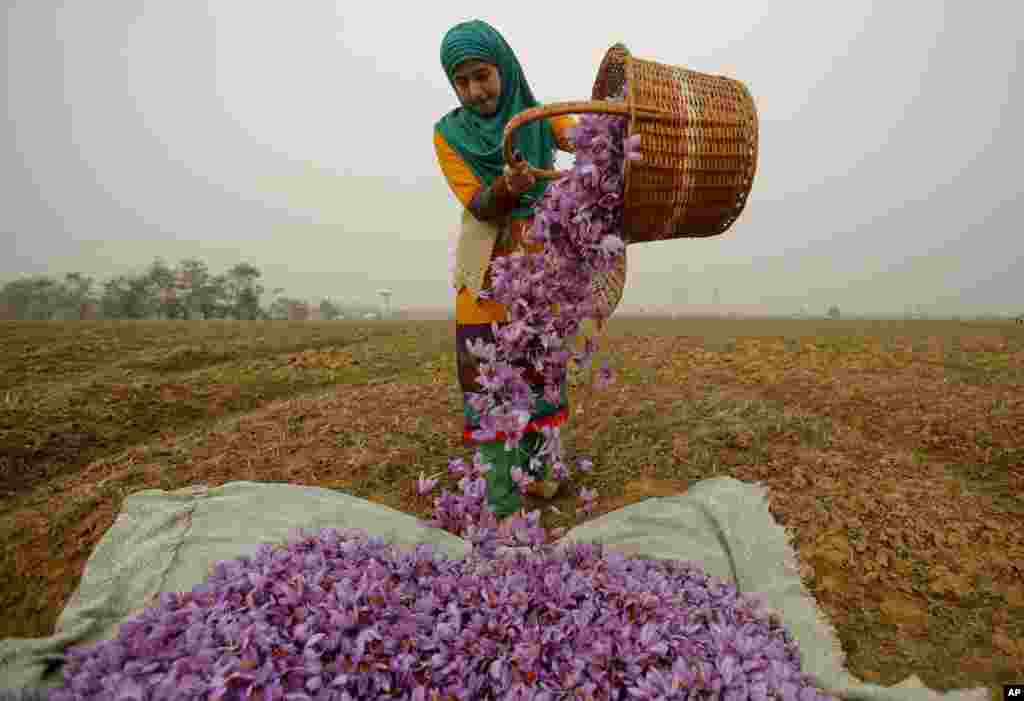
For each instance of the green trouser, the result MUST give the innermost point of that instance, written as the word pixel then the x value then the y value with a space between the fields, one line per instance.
pixel 503 495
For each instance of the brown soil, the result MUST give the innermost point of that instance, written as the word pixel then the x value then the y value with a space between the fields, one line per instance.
pixel 893 455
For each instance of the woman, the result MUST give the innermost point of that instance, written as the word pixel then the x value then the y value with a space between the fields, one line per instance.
pixel 498 213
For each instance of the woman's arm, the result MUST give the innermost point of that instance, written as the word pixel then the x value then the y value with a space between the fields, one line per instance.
pixel 485 203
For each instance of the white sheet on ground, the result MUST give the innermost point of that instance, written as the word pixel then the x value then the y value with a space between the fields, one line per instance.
pixel 169 542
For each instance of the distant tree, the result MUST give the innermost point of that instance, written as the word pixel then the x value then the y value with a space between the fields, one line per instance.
pixel 191 282
pixel 202 295
pixel 247 303
pixel 128 297
pixel 277 310
pixel 833 312
pixel 28 298
pixel 329 310
pixel 188 291
pixel 42 298
pixel 243 292
pixel 79 298
pixel 165 283
pixel 286 308
pixel 215 302
pixel 271 310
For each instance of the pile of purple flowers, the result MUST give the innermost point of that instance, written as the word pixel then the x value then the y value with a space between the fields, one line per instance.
pixel 340 616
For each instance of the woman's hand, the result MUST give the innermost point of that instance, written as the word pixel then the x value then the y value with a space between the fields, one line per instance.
pixel 519 177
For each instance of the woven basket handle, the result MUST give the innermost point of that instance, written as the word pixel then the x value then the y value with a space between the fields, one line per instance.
pixel 556 109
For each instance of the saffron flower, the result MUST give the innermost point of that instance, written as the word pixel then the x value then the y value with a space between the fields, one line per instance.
pixel 424 486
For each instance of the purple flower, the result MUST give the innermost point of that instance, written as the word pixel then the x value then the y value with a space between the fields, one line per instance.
pixel 601 150
pixel 558 471
pixel 485 435
pixel 631 145
pixel 425 486
pixel 479 466
pixel 522 479
pixel 482 350
pixel 582 137
pixel 611 245
pixel 588 496
pixel 457 467
pixel 605 377
pixel 609 201
pixel 589 179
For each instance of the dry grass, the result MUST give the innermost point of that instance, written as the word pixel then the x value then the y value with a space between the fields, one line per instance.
pixel 893 450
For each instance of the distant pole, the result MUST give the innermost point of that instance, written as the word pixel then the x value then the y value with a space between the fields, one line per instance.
pixel 386 296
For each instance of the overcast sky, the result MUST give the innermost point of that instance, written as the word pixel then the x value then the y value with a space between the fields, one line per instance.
pixel 297 136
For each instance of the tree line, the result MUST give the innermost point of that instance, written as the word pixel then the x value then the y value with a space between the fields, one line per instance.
pixel 186 291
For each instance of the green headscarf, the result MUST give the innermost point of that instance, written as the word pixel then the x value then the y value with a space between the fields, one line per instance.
pixel 478 140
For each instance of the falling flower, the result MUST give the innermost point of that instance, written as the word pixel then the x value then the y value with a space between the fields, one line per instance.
pixel 605 376
pixel 547 296
pixel 425 486
pixel 520 477
pixel 632 148
pixel 588 496
pixel 558 471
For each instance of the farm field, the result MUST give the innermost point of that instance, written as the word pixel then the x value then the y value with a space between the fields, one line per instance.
pixel 894 450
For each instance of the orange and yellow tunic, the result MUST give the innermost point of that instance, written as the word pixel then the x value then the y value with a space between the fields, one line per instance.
pixel 466 186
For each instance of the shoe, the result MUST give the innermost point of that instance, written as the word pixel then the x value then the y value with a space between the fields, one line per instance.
pixel 545 490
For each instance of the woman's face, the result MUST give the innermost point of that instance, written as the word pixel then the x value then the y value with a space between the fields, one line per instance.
pixel 478 84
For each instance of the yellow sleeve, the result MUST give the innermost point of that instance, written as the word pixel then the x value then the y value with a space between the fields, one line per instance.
pixel 461 178
pixel 561 126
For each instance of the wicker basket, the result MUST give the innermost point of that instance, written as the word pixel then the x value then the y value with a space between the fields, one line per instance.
pixel 698 145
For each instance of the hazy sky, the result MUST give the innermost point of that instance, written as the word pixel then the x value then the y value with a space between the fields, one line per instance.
pixel 297 136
